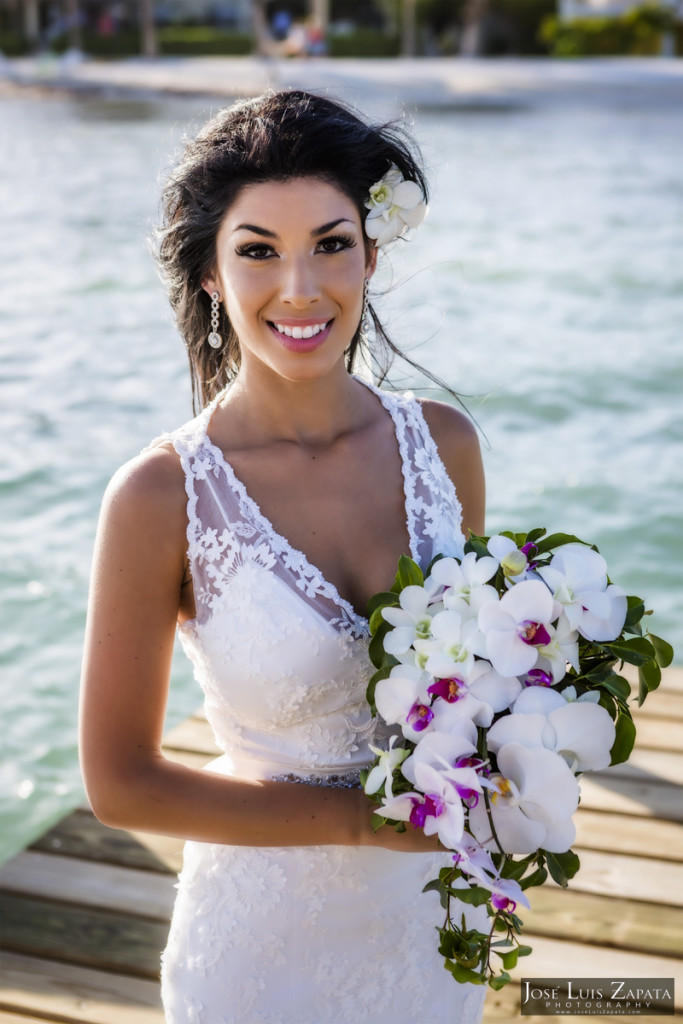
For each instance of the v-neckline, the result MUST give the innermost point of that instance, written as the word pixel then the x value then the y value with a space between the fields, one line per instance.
pixel 312 571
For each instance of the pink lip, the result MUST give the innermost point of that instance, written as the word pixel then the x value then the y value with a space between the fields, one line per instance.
pixel 301 344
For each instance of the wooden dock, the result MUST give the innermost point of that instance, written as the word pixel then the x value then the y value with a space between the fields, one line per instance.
pixel 84 911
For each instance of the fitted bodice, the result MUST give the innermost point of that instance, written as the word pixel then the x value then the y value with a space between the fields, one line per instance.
pixel 280 655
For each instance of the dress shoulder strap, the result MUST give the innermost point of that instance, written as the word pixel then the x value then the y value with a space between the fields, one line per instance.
pixel 433 510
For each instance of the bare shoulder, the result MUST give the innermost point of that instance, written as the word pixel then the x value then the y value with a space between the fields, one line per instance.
pixel 147 495
pixel 457 440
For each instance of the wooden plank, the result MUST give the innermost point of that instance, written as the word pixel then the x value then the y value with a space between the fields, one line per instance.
pixel 14 1018
pixel 88 936
pixel 193 734
pixel 639 878
pixel 603 920
pixel 598 830
pixel 661 704
pixel 80 834
pixel 90 884
pixel 658 733
pixel 660 765
pixel 62 991
pixel 650 799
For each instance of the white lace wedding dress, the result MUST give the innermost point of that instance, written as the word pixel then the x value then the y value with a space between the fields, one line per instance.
pixel 299 935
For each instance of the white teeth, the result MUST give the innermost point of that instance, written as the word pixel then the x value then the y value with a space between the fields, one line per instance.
pixel 301 332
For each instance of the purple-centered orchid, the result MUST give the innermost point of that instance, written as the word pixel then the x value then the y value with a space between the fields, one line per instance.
pixel 447 820
pixel 512 560
pixel 517 626
pixel 400 696
pixel 577 578
pixel 535 796
pixel 506 893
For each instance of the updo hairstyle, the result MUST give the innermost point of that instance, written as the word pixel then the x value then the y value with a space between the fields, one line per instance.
pixel 276 137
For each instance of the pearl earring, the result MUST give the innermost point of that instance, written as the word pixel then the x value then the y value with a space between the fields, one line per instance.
pixel 214 339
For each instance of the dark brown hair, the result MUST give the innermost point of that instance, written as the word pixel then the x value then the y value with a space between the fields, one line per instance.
pixel 275 137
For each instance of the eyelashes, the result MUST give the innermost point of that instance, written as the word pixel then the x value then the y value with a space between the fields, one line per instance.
pixel 260 251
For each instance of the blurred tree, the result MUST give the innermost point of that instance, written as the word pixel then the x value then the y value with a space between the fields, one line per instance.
pixel 73 20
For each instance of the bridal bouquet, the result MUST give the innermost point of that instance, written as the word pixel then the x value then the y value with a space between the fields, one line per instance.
pixel 498 675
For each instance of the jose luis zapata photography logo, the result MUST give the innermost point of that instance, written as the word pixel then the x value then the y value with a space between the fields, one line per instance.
pixel 637 997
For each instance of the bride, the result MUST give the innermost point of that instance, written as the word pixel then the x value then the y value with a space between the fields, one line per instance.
pixel 260 530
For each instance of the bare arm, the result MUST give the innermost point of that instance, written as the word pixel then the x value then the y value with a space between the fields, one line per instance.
pixel 135 593
pixel 456 438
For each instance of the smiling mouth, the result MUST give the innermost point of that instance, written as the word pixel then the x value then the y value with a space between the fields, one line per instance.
pixel 309 331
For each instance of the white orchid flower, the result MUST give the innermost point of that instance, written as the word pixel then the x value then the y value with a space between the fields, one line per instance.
pixel 443 750
pixel 442 813
pixel 473 860
pixel 582 733
pixel 463 577
pixel 383 773
pixel 562 647
pixel 395 205
pixel 506 893
pixel 577 577
pixel 452 646
pixel 517 626
pixel 512 561
pixel 403 699
pixel 536 795
pixel 410 621
pixel 478 695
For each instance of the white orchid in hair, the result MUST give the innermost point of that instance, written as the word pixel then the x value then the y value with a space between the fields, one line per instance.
pixel 395 205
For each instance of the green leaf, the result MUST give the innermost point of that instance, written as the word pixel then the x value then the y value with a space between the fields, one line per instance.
pixel 473 894
pixel 515 868
pixel 649 678
pixel 625 738
pixel 376 652
pixel 409 573
pixel 381 600
pixel 562 866
pixel 377 619
pixel 557 540
pixel 635 611
pixel 500 981
pixel 636 651
pixel 537 878
pixel 618 686
pixel 509 959
pixel 436 885
pixel 381 673
pixel 476 544
pixel 524 950
pixel 463 974
pixel 664 652
pixel 535 535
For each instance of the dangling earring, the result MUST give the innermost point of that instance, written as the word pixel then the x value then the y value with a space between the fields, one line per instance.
pixel 365 324
pixel 214 339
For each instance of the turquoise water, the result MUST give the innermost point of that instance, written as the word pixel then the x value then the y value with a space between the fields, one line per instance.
pixel 547 284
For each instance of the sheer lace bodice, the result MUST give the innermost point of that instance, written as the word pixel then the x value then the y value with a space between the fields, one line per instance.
pixel 280 655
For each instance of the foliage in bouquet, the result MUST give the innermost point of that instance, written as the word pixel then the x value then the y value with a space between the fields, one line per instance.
pixel 498 677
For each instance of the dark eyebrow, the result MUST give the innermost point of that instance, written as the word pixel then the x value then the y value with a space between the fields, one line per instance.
pixel 271 234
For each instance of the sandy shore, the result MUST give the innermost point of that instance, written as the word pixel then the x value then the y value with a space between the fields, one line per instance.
pixel 440 82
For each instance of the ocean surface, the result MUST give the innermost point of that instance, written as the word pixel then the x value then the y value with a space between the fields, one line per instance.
pixel 546 285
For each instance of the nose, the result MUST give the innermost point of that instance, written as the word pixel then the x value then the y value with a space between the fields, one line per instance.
pixel 300 285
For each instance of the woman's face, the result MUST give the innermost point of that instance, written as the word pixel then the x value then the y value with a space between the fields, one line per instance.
pixel 291 265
